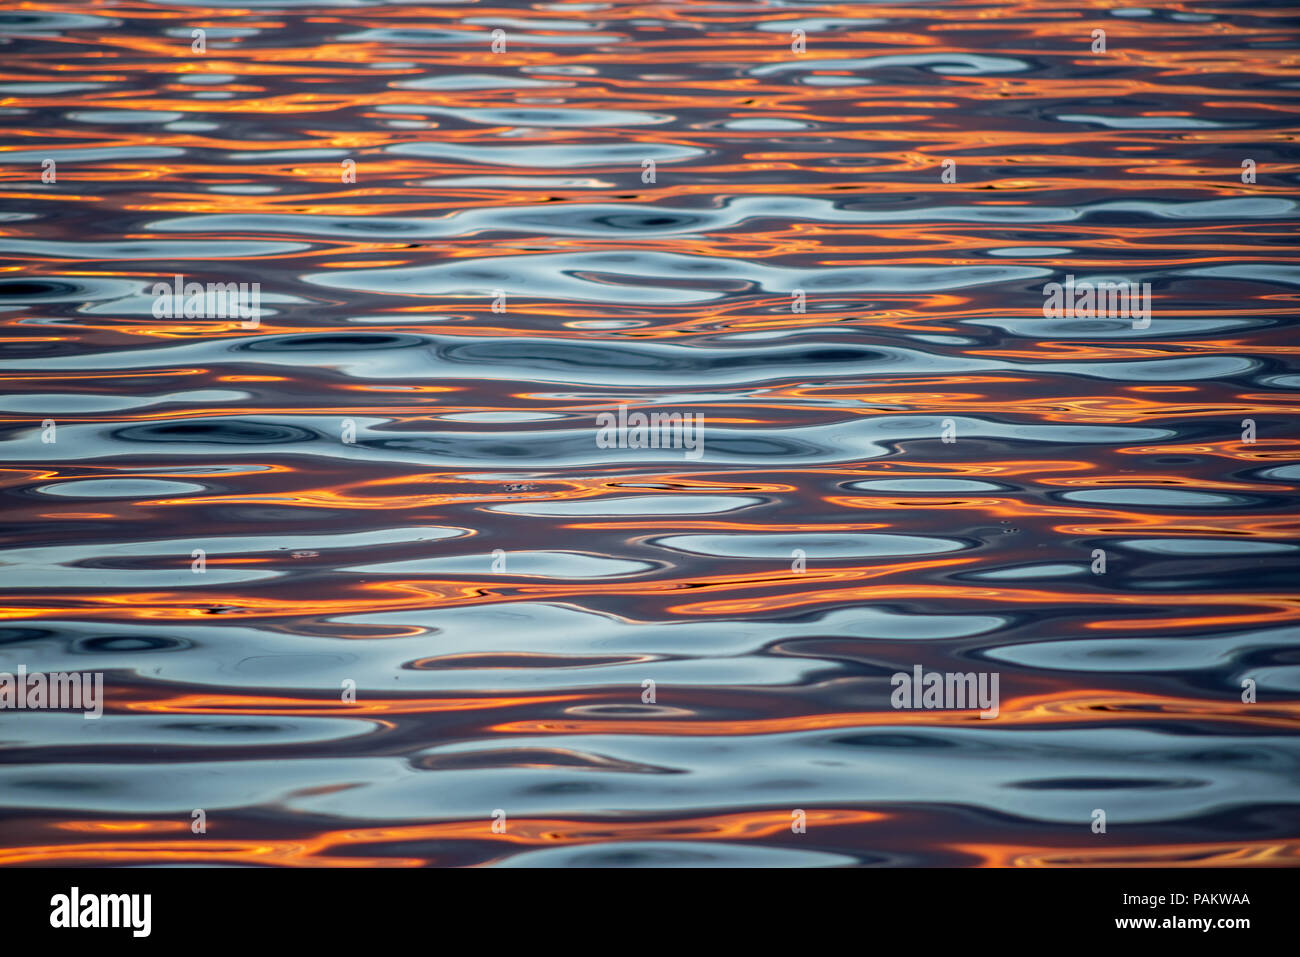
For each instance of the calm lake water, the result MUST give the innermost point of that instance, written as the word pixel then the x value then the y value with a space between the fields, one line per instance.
pixel 380 570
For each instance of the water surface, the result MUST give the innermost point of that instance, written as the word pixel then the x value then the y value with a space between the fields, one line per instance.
pixel 496 586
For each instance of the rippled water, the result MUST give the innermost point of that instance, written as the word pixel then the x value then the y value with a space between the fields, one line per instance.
pixel 497 585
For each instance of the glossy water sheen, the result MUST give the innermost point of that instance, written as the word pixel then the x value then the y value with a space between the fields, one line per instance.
pixel 520 688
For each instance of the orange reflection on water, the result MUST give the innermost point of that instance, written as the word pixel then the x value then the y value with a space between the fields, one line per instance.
pixel 340 848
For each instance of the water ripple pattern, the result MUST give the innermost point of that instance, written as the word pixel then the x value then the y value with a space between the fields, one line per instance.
pixel 382 568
